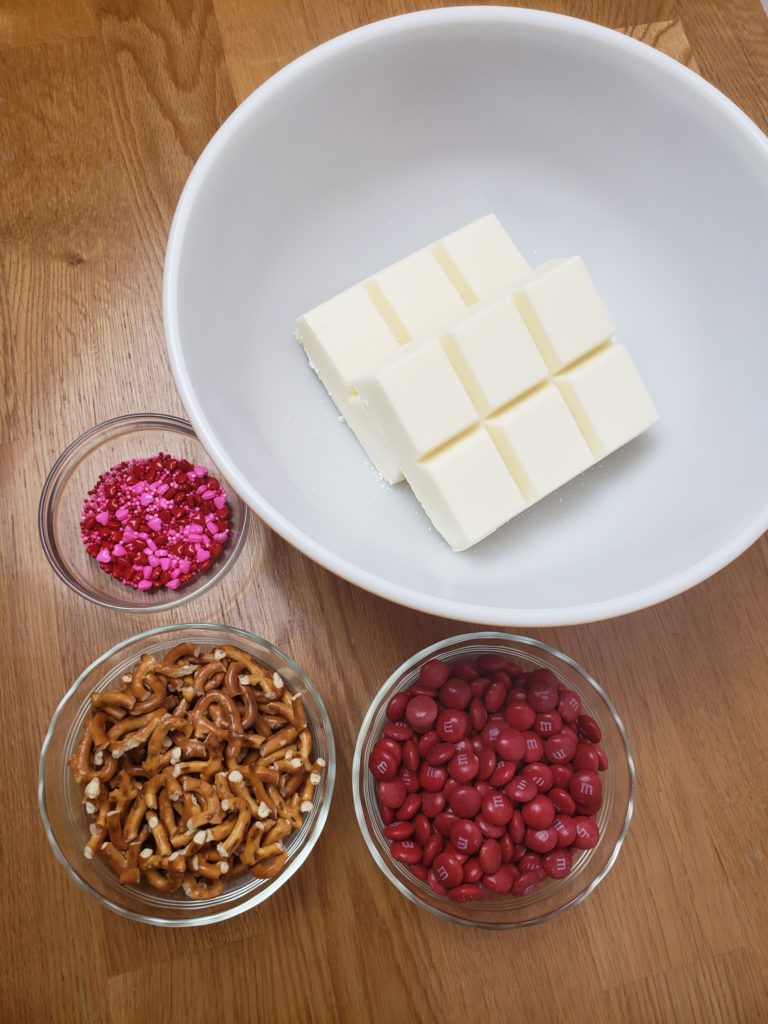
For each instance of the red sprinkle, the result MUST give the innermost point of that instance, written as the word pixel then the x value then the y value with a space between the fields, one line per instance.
pixel 155 522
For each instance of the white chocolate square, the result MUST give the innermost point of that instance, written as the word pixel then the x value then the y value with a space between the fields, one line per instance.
pixel 608 399
pixel 344 337
pixel 466 490
pixel 540 442
pixel 415 296
pixel 418 402
pixel 494 354
pixel 563 311
pixel 481 259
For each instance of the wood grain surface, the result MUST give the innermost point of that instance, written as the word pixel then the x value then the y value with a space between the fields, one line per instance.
pixel 104 107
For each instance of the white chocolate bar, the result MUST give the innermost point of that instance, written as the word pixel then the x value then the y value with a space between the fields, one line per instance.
pixel 353 333
pixel 477 423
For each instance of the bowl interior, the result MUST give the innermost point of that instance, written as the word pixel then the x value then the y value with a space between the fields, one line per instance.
pixel 583 142
pixel 61 798
pixel 589 866
pixel 77 471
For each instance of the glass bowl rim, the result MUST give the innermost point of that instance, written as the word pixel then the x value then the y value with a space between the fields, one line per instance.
pixel 359 800
pixel 59 473
pixel 302 852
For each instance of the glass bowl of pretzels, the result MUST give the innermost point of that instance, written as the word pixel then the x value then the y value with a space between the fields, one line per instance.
pixel 187 774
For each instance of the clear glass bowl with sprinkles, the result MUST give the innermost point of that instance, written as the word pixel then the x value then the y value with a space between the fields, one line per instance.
pixel 134 516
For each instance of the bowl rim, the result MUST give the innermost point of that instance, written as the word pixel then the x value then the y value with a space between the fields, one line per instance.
pixel 433 650
pixel 120 426
pixel 643 597
pixel 261 895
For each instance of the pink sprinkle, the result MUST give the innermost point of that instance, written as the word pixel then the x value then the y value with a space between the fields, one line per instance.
pixel 201 471
pixel 155 523
pixel 165 564
pixel 144 584
pixel 146 498
pixel 147 571
pixel 103 518
pixel 194 528
pixel 118 551
pixel 221 537
pixel 153 561
pixel 150 543
pixel 211 526
pixel 207 495
pixel 171 584
pixel 139 487
pixel 220 500
pixel 201 555
pixel 104 556
pixel 175 574
pixel 185 565
pixel 122 514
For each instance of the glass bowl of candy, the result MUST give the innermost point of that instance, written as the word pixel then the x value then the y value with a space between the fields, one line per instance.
pixel 133 516
pixel 493 780
pixel 187 774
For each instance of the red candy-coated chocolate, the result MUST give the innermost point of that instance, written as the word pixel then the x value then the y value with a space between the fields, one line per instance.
pixel 542 840
pixel 411 756
pixel 432 804
pixel 589 729
pixel 561 747
pixel 569 705
pixel 557 864
pixel 525 884
pixel 452 725
pixel 490 856
pixel 487 777
pixel 586 787
pixel 463 767
pixel 421 713
pixel 511 744
pixel 433 674
pixel 465 893
pixel 398 830
pixel 561 774
pixel 409 807
pixel 565 827
pixel 587 833
pixel 497 808
pixel 521 789
pixel 547 724
pixel 382 765
pixel 543 692
pixel 466 837
pixel 407 851
pixel 586 757
pixel 448 870
pixel 520 715
pixel 155 522
pixel 392 794
pixel 539 813
pixel 502 880
pixel 396 707
pixel 539 773
pixel 465 801
pixel 562 800
pixel 432 847
pixel 455 694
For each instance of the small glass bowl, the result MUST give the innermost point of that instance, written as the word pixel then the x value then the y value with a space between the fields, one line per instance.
pixel 590 867
pixel 60 798
pixel 76 471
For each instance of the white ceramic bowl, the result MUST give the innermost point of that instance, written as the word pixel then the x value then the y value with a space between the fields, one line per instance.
pixel 582 141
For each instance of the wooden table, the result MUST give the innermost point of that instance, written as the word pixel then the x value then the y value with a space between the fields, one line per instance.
pixel 104 106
